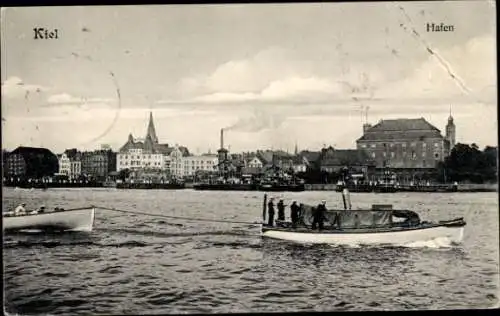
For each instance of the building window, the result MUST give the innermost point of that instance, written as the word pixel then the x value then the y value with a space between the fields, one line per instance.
pixel 373 155
pixel 363 146
pixel 374 145
pixel 436 145
pixel 436 155
pixel 413 155
pixel 393 154
pixel 404 145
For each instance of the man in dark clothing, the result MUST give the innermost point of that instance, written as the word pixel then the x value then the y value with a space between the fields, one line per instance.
pixel 319 215
pixel 315 218
pixel 281 210
pixel 270 212
pixel 294 213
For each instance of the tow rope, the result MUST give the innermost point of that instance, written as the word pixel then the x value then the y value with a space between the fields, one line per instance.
pixel 177 217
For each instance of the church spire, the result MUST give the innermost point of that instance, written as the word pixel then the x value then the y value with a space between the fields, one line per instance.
pixel 151 129
pixel 451 131
pixel 296 151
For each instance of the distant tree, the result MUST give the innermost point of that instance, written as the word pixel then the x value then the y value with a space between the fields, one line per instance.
pixel 468 163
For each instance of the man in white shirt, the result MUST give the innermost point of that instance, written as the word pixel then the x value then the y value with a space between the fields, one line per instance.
pixel 20 209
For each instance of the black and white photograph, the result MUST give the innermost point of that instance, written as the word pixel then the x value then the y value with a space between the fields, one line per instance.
pixel 249 158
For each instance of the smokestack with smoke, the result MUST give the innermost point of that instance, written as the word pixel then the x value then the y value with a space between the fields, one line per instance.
pixel 221 138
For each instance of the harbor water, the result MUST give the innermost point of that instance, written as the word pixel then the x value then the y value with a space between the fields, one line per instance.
pixel 144 265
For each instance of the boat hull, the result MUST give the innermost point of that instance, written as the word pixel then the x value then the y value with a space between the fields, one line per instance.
pixel 81 219
pixel 282 188
pixel 399 236
pixel 151 186
pixel 225 187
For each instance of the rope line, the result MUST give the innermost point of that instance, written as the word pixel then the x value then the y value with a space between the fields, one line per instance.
pixel 177 217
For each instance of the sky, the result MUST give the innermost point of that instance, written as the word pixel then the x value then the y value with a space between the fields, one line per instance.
pixel 272 75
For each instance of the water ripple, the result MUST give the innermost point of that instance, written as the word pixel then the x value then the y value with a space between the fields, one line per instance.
pixel 142 265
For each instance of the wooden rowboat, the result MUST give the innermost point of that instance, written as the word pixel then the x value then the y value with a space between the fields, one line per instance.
pixel 77 219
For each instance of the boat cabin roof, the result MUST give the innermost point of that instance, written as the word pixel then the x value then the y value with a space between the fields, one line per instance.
pixel 373 217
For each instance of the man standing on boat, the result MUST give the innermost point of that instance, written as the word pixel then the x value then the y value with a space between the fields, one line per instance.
pixel 294 213
pixel 281 210
pixel 319 215
pixel 270 212
pixel 20 209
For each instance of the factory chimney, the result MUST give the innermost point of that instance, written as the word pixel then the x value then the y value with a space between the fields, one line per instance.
pixel 221 138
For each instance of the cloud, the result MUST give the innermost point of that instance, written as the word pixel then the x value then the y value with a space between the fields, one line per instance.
pixel 277 76
pixel 471 65
pixel 280 76
pixel 255 73
pixel 14 87
pixel 65 98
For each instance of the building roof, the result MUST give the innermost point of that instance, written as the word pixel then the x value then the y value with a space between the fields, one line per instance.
pixel 71 153
pixel 149 146
pixel 266 157
pixel 311 156
pixel 401 129
pixel 252 157
pixel 32 150
pixel 341 157
pixel 163 149
pixel 298 160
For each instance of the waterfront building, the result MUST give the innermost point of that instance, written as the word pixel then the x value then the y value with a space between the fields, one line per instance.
pixel 76 167
pixel 311 158
pixel 356 161
pixel 266 157
pixel 98 164
pixel 299 164
pixel 148 153
pixel 254 163
pixel 64 164
pixel 280 159
pixel 175 163
pixel 31 162
pixel 196 163
pixel 5 155
pixel 70 163
pixel 406 145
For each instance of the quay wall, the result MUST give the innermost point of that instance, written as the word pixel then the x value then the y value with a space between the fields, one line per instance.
pixel 473 187
pixel 462 187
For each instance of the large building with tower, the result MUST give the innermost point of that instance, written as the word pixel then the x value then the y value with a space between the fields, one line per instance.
pixel 148 153
pixel 407 145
